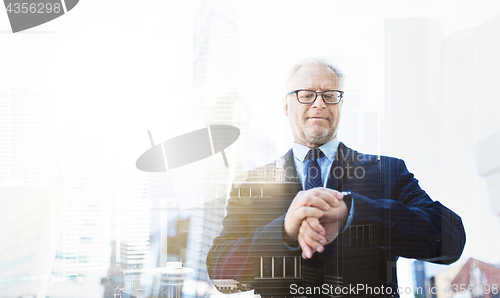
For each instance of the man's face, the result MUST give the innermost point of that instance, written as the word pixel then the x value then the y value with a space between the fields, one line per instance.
pixel 313 124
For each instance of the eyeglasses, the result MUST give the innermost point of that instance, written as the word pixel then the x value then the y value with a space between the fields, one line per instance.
pixel 308 96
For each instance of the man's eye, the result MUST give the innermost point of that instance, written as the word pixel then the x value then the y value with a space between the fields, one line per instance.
pixel 306 95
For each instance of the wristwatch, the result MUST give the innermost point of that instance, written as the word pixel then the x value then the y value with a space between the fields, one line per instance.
pixel 347 199
pixel 346 194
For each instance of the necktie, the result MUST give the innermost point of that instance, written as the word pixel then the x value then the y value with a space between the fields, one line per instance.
pixel 313 173
pixel 313 269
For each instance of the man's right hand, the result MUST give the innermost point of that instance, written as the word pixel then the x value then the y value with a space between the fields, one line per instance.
pixel 315 233
pixel 310 203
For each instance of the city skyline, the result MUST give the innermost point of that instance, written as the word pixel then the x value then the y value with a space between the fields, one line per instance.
pixel 118 90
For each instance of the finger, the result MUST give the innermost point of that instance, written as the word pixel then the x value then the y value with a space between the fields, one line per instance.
pixel 304 212
pixel 303 247
pixel 306 229
pixel 335 214
pixel 312 245
pixel 315 225
pixel 294 219
pixel 330 196
pixel 311 199
pixel 311 238
pixel 334 192
pixel 306 250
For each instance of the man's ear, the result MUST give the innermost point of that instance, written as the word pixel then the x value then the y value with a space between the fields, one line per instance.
pixel 285 106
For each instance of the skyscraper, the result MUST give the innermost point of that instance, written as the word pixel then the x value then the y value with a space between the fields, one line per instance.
pixel 412 90
pixel 133 229
pixel 25 114
pixel 488 78
pixel 470 85
pixel 217 80
pixel 83 207
pixel 28 235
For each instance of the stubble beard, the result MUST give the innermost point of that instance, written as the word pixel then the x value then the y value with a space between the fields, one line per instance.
pixel 315 136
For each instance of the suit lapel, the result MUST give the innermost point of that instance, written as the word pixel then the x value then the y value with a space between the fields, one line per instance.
pixel 291 172
pixel 334 252
pixel 343 158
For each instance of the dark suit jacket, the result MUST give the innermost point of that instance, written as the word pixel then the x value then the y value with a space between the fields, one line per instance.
pixel 400 217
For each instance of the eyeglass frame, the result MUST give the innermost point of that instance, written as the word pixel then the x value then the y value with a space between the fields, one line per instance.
pixel 306 103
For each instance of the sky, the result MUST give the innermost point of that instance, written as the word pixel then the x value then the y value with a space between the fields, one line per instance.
pixel 122 67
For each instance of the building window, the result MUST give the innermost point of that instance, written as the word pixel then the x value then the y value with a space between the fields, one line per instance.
pixel 360 235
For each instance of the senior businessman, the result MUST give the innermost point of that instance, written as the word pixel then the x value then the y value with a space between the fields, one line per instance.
pixel 348 215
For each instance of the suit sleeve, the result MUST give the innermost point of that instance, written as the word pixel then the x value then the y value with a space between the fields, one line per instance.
pixel 413 225
pixel 233 251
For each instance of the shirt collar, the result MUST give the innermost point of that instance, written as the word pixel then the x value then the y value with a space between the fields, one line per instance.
pixel 329 150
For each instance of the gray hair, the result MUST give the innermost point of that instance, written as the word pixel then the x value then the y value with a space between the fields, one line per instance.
pixel 315 61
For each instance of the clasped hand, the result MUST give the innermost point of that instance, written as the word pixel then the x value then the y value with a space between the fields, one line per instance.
pixel 315 218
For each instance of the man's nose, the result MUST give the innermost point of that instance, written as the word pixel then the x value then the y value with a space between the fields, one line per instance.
pixel 319 103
